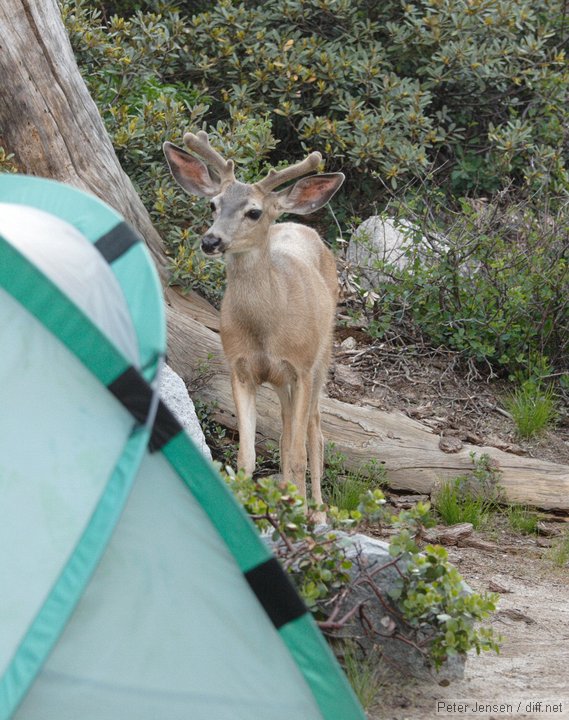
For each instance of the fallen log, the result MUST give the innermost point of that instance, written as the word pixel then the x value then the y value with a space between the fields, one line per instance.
pixel 409 451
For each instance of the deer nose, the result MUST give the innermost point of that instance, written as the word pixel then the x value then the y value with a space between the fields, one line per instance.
pixel 211 244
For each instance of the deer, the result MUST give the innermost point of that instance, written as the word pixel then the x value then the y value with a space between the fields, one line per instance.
pixel 278 309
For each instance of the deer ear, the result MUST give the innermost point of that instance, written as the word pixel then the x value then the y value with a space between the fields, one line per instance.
pixel 309 194
pixel 190 172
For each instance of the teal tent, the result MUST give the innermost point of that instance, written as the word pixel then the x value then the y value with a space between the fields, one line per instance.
pixel 132 585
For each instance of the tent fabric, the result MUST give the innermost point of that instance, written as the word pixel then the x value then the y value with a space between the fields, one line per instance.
pixel 89 283
pixel 105 228
pixel 128 596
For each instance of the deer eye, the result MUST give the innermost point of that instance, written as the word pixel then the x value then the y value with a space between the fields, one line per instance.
pixel 253 214
pixel 212 206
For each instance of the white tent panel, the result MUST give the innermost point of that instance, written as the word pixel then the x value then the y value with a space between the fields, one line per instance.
pixel 72 263
pixel 55 459
pixel 168 627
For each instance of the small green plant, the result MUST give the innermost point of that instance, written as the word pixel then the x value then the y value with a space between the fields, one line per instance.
pixel 7 161
pixel 533 408
pixel 559 553
pixel 455 504
pixel 343 487
pixel 215 434
pixel 363 673
pixel 432 592
pixel 472 497
pixel 521 519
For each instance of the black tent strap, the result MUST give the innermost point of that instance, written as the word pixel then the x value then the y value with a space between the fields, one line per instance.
pixel 275 592
pixel 132 390
pixel 116 242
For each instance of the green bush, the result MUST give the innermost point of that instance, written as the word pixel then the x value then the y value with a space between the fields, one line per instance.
pixel 430 592
pixel 475 92
pixel 414 102
pixel 490 282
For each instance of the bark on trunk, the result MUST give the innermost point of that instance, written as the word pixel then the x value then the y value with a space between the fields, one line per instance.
pixel 49 121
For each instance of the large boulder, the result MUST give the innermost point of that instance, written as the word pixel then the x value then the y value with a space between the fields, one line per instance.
pixel 378 241
pixel 381 247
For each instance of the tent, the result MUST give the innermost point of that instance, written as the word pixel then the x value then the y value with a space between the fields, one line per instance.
pixel 132 585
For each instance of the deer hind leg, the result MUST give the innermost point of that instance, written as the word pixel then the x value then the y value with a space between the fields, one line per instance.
pixel 284 393
pixel 300 409
pixel 244 396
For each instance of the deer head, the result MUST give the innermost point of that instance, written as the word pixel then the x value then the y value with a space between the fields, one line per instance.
pixel 243 213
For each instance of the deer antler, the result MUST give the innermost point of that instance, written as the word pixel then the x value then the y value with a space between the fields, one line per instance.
pixel 199 143
pixel 278 177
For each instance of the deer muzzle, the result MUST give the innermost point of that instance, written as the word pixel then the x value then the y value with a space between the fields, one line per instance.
pixel 212 244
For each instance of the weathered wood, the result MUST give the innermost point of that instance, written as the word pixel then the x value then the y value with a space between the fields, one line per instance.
pixel 448 535
pixel 49 121
pixel 408 450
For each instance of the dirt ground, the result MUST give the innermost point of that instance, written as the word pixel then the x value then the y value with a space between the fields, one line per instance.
pixel 463 401
pixel 533 665
pixel 439 388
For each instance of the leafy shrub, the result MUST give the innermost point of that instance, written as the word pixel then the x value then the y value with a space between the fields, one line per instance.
pixel 474 93
pixel 498 71
pixel 430 594
pixel 490 281
pixel 397 89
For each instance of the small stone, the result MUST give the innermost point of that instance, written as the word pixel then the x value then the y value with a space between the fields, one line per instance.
pixel 344 375
pixel 349 343
pixel 450 444
pixel 494 586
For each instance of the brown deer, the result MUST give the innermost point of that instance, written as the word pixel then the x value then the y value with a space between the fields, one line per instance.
pixel 278 310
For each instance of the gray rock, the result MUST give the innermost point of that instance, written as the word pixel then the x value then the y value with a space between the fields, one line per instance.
pixel 175 394
pixel 368 554
pixel 382 241
pixel 378 240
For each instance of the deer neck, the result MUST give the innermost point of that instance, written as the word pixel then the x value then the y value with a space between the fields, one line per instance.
pixel 252 283
pixel 250 270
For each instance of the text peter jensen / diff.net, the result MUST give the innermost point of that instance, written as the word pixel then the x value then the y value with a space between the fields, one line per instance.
pixel 514 707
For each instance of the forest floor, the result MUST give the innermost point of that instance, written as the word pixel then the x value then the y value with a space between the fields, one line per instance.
pixel 457 400
pixel 437 387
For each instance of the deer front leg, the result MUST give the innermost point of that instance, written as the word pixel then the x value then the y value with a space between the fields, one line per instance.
pixel 244 396
pixel 315 453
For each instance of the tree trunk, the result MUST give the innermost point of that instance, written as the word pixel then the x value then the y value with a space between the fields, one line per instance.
pixel 51 125
pixel 49 121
